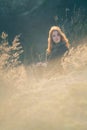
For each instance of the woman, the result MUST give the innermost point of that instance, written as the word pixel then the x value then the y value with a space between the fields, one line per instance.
pixel 57 43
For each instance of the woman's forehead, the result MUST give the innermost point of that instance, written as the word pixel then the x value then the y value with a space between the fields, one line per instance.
pixel 55 32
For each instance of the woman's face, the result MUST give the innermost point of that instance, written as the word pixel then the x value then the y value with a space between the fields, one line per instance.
pixel 56 37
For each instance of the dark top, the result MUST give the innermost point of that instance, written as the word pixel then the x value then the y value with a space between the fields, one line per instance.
pixel 58 50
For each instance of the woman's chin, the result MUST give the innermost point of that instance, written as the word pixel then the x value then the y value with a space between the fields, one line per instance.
pixel 56 42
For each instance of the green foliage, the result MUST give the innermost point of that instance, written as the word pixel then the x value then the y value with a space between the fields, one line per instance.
pixel 74 24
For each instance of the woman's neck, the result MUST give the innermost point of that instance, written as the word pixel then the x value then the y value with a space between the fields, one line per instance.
pixel 57 43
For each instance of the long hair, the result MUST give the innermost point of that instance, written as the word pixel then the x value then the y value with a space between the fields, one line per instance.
pixel 50 41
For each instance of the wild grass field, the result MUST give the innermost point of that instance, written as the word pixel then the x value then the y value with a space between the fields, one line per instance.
pixel 43 97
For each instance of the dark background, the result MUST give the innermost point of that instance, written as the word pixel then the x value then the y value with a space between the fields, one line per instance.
pixel 33 19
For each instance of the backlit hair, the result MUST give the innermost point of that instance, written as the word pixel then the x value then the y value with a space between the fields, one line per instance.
pixel 63 38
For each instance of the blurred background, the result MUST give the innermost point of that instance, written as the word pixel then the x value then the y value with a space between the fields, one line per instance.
pixel 33 19
pixel 48 96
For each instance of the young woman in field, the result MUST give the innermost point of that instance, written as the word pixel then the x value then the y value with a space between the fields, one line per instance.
pixel 58 43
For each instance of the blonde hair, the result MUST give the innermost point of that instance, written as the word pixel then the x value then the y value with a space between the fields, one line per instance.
pixel 63 38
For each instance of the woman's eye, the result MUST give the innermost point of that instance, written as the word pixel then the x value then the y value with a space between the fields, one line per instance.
pixel 53 35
